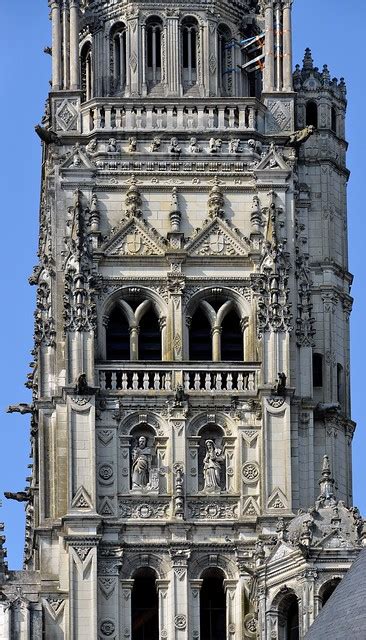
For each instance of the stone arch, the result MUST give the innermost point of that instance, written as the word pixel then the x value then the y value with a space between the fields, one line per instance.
pixel 159 563
pixel 242 306
pixel 152 420
pixel 198 422
pixel 220 561
pixel 286 609
pixel 327 587
pixel 154 14
pixel 126 292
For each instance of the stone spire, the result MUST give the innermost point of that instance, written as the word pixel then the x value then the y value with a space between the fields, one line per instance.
pixel 326 483
pixel 308 62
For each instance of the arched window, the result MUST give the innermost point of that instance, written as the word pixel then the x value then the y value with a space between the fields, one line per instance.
pixel 231 338
pixel 225 61
pixel 213 606
pixel 145 606
pixel 317 370
pixel 333 118
pixel 118 336
pixel 200 338
pixel 154 30
pixel 312 114
pixel 189 52
pixel 149 337
pixel 288 618
pixel 86 71
pixel 118 58
pixel 327 589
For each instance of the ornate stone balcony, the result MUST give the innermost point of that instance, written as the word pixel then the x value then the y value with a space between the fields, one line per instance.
pixel 153 377
pixel 211 115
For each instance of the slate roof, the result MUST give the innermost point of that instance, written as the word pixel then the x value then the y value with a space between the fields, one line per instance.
pixel 344 614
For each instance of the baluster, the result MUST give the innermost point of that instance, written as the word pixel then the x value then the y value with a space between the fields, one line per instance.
pixel 231 118
pixel 124 381
pixel 186 381
pixel 99 118
pixel 135 381
pixel 208 382
pixel 102 380
pixel 168 381
pixel 218 382
pixel 156 381
pixel 221 118
pixel 145 382
pixel 108 122
pixel 251 381
pixel 197 382
pixel 251 122
pixel 240 382
pixel 242 117
pixel 114 381
pixel 229 382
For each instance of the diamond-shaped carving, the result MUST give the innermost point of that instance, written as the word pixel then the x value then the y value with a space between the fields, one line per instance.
pixel 66 116
pixel 133 62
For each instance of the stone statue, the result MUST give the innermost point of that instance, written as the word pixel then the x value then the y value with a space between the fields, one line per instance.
pixel 155 145
pixel 180 396
pixel 141 464
pixel 174 146
pixel 19 496
pixel 132 143
pixel 212 464
pixel 194 146
pixel 22 408
pixel 92 146
pixel 234 146
pixel 81 387
pixel 214 145
pixel 112 145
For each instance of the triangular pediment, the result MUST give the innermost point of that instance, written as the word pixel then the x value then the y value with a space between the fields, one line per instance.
pixel 272 161
pixel 134 237
pixel 106 508
pixel 282 550
pixel 334 540
pixel 217 239
pixel 277 500
pixel 81 499
pixel 251 508
pixel 77 160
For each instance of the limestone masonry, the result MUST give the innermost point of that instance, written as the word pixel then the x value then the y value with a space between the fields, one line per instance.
pixel 190 423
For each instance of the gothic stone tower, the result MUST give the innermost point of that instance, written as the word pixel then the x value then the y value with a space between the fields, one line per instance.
pixel 191 359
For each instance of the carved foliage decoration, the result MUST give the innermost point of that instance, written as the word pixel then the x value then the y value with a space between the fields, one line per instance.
pixel 79 296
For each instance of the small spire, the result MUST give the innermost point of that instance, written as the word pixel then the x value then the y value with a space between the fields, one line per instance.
pixel 326 484
pixel 308 63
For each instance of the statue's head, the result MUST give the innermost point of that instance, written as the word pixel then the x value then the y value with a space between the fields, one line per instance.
pixel 210 445
pixel 142 442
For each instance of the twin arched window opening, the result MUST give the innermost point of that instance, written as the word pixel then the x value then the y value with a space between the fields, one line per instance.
pixel 189 35
pixel 118 57
pixel 133 332
pixel 216 333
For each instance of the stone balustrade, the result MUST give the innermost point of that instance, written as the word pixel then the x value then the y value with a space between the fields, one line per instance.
pixel 247 114
pixel 163 377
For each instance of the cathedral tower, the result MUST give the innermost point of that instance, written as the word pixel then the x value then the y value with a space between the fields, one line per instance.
pixel 191 332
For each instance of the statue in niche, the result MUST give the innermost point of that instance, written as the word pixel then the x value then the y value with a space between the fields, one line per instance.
pixel 141 464
pixel 212 464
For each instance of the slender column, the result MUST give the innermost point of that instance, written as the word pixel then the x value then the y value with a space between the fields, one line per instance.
pixel 216 344
pixel 127 80
pixel 172 61
pixel 74 45
pixel 122 61
pixel 287 46
pixel 56 45
pixel 189 47
pixel 154 54
pixel 134 343
pixel 126 626
pixel 66 38
pixel 268 84
pixel 278 47
pixel 144 59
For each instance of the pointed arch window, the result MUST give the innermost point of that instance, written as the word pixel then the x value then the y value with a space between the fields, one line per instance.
pixel 118 336
pixel 200 337
pixel 118 42
pixel 145 606
pixel 149 337
pixel 232 347
pixel 86 71
pixel 213 606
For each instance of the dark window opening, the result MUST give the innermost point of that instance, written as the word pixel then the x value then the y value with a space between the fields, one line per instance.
pixel 153 33
pixel 118 336
pixel 213 606
pixel 317 370
pixel 340 384
pixel 149 337
pixel 145 606
pixel 86 71
pixel 334 120
pixel 329 588
pixel 200 340
pixel 293 620
pixel 189 46
pixel 312 114
pixel 231 338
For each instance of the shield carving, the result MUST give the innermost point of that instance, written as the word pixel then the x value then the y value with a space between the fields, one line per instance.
pixel 133 243
pixel 217 242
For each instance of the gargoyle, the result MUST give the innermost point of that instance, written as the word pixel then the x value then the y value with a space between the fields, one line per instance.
pixel 299 137
pixel 280 386
pixel 19 496
pixel 47 135
pixel 82 388
pixel 22 408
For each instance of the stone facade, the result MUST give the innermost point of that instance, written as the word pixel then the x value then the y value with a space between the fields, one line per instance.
pixel 193 202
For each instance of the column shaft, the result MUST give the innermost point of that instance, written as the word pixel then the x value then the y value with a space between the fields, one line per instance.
pixel 74 45
pixel 56 46
pixel 287 48
pixel 66 39
pixel 268 80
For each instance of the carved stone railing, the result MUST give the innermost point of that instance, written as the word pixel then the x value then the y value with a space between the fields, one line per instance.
pixel 236 114
pixel 165 377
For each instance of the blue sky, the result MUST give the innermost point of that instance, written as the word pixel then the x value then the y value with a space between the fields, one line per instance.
pixel 335 33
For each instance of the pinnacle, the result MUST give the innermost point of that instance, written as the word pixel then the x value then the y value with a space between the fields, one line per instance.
pixel 308 62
